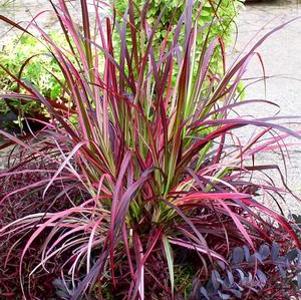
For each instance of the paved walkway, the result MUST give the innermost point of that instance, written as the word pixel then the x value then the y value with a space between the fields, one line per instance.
pixel 23 11
pixel 281 54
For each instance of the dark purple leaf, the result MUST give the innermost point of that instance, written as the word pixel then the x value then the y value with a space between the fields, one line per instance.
pixel 241 274
pixel 299 280
pixel 249 278
pixel 292 255
pixel 203 291
pixel 238 255
pixel 262 277
pixel 264 251
pixel 230 277
pixel 281 271
pixel 299 259
pixel 224 296
pixel 258 257
pixel 275 251
pixel 236 293
pixel 221 264
pixel 215 279
pixel 246 252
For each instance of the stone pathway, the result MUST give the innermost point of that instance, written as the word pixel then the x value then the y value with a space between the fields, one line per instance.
pixel 23 11
pixel 281 54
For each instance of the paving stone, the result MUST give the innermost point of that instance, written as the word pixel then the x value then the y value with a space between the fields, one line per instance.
pixel 281 54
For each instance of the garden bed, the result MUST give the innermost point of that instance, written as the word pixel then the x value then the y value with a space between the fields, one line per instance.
pixel 138 184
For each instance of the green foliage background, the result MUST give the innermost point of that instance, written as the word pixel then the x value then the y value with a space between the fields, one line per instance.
pixel 217 19
pixel 222 12
pixel 39 70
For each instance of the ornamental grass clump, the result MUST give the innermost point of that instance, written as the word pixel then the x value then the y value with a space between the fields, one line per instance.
pixel 138 186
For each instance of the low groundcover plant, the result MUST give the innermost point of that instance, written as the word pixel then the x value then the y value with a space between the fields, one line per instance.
pixel 138 186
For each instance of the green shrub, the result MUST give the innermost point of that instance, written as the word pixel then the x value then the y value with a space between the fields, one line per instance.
pixel 223 11
pixel 40 69
pixel 220 13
